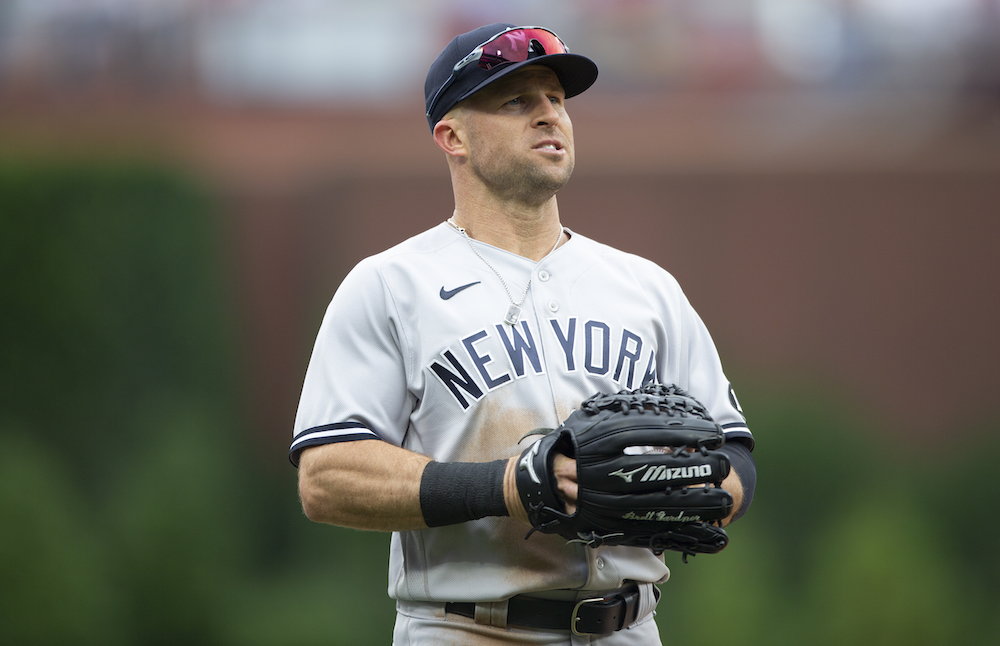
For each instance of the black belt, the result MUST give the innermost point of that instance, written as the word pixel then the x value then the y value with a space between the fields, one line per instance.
pixel 590 616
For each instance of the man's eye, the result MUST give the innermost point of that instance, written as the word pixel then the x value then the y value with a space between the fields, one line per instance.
pixel 514 102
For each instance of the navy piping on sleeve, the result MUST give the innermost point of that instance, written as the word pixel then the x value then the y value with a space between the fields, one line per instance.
pixel 329 434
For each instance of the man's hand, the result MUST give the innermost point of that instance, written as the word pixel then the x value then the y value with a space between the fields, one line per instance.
pixel 734 486
pixel 565 471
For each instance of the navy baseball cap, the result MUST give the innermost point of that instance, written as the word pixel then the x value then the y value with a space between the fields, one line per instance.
pixel 473 60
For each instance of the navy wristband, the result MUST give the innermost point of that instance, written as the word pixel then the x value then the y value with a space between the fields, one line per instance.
pixel 457 492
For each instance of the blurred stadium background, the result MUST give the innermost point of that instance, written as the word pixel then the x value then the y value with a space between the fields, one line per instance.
pixel 183 184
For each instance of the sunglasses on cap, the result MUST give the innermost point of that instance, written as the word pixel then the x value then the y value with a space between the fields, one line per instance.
pixel 513 45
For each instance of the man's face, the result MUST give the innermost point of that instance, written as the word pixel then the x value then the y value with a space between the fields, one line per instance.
pixel 520 138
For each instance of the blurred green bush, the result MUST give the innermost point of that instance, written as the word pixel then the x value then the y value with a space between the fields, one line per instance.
pixel 133 512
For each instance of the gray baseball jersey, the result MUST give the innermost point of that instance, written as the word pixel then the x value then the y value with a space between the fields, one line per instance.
pixel 414 350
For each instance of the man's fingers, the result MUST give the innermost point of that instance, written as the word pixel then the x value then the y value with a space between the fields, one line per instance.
pixel 565 470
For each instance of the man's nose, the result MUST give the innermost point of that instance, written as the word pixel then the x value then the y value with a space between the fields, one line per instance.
pixel 547 114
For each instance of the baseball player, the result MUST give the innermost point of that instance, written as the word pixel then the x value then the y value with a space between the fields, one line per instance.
pixel 438 356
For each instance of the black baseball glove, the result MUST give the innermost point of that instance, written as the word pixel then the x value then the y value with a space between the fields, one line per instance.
pixel 637 454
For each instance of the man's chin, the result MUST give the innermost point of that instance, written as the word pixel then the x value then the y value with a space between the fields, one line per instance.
pixel 531 185
pixel 542 190
pixel 553 179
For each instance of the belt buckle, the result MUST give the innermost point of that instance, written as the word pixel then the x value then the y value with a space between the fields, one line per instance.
pixel 575 617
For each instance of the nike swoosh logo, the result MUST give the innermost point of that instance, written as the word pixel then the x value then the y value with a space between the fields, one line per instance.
pixel 446 294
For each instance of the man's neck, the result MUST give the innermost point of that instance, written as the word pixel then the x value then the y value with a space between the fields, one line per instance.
pixel 527 231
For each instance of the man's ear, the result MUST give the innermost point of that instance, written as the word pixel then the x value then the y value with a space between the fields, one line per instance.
pixel 450 136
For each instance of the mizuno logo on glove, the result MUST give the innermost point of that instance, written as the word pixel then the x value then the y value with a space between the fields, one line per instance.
pixel 627 475
pixel 665 473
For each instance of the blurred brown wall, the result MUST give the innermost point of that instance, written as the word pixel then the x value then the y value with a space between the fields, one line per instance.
pixel 853 245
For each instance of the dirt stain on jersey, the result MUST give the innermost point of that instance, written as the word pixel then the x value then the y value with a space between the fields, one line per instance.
pixel 498 427
pixel 542 561
pixel 463 631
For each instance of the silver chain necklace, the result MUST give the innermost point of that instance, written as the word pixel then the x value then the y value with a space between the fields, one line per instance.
pixel 514 311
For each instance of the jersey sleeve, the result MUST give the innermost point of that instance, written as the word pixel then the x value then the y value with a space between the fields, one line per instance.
pixel 355 384
pixel 692 360
pixel 707 381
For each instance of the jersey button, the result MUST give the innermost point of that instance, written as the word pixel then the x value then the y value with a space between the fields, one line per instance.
pixel 543 276
pixel 553 306
pixel 600 563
